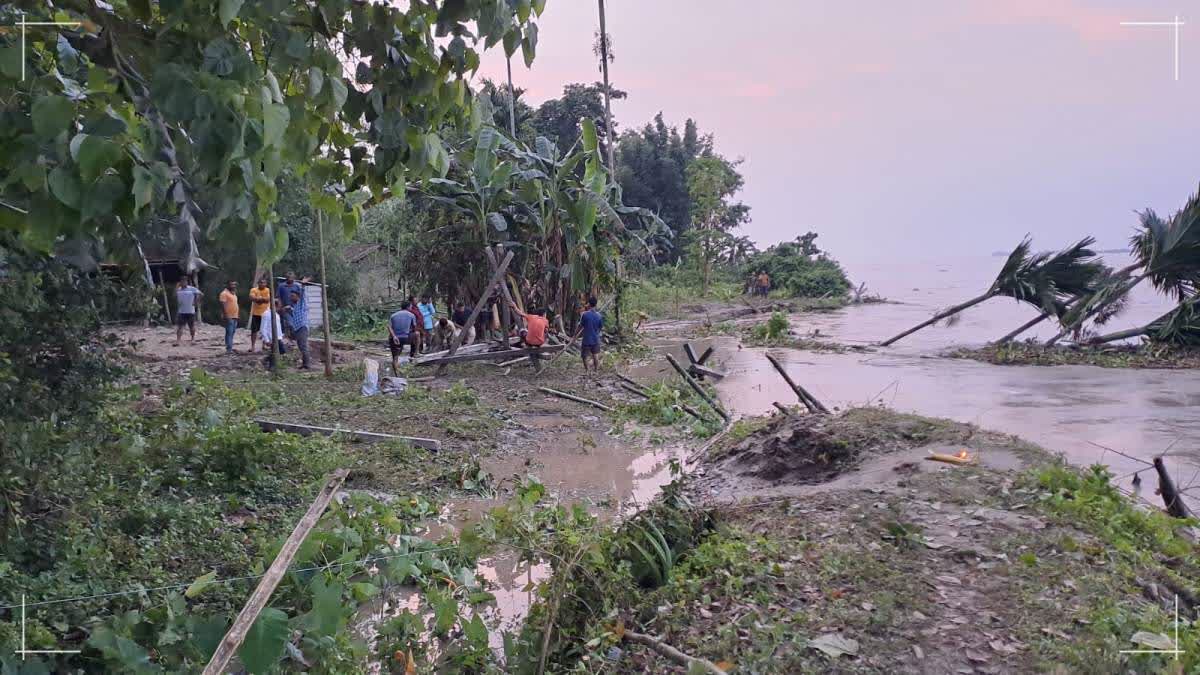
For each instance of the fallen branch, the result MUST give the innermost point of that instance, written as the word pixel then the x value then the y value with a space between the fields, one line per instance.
pixel 262 593
pixel 308 430
pixel 635 389
pixel 697 388
pixel 696 368
pixel 1171 497
pixel 690 353
pixel 674 654
pixel 577 399
pixel 782 408
pixel 806 398
pixel 704 357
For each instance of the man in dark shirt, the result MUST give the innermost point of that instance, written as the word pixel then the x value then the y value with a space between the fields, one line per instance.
pixel 459 317
pixel 591 323
pixel 402 331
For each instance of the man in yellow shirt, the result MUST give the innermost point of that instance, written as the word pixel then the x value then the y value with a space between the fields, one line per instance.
pixel 229 312
pixel 260 301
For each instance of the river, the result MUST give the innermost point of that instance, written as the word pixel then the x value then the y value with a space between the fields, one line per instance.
pixel 1067 409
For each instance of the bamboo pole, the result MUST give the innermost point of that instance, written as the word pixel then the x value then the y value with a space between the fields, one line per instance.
pixel 266 586
pixel 697 388
pixel 689 662
pixel 806 398
pixel 577 399
pixel 324 295
pixel 483 298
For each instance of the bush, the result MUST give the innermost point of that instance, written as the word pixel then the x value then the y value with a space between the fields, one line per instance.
pixel 775 328
pixel 800 268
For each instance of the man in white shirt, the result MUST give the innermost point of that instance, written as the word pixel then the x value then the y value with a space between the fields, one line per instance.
pixel 270 319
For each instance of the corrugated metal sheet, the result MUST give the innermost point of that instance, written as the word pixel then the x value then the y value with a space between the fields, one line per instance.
pixel 312 298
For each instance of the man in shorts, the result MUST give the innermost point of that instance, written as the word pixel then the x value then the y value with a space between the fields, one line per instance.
pixel 534 333
pixel 591 323
pixel 260 303
pixel 402 328
pixel 186 298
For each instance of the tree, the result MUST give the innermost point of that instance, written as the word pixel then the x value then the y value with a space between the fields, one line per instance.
pixel 558 119
pixel 498 96
pixel 184 113
pixel 712 181
pixel 1044 280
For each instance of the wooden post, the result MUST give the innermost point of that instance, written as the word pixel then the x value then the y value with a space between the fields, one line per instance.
pixel 324 295
pixel 506 311
pixel 806 398
pixel 496 277
pixel 697 388
pixel 266 586
pixel 276 317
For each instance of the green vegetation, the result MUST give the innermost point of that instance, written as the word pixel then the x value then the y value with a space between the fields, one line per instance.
pixel 775 329
pixel 1149 355
pixel 800 269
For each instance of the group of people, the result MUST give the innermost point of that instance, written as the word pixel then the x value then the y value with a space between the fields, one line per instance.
pixel 760 284
pixel 417 327
pixel 286 317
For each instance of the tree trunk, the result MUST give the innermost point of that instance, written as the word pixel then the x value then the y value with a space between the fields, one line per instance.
pixel 939 316
pixel 612 164
pixel 512 100
pixel 1024 327
pixel 1170 495
pixel 1120 335
pixel 324 295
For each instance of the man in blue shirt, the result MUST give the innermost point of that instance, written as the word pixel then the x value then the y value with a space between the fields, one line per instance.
pixel 402 331
pixel 428 312
pixel 297 320
pixel 284 290
pixel 591 323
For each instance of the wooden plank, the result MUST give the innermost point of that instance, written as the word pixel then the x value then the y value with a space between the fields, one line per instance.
pixel 490 356
pixel 308 430
pixel 705 370
pixel 697 388
pixel 266 586
pixel 577 399
pixel 433 356
pixel 806 398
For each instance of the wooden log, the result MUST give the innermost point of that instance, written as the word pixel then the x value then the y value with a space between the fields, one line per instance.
pixel 705 370
pixel 577 399
pixel 688 662
pixel 469 349
pixel 629 381
pixel 490 356
pixel 697 388
pixel 782 408
pixel 806 398
pixel 308 430
pixel 690 353
pixel 497 275
pixel 704 357
pixel 1170 494
pixel 266 586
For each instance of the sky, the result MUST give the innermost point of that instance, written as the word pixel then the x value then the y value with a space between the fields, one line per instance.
pixel 925 128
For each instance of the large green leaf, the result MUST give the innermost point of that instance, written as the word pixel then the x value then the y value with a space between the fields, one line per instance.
pixel 120 651
pixel 327 615
pixel 65 187
pixel 52 115
pixel 316 81
pixel 589 139
pixel 101 197
pixel 264 641
pixel 229 9
pixel 95 156
pixel 275 123
pixel 529 44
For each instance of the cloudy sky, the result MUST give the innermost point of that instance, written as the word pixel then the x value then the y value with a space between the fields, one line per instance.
pixel 933 126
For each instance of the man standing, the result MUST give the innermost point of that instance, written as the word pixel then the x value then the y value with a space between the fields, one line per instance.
pixel 186 297
pixel 269 320
pixel 260 303
pixel 285 288
pixel 428 312
pixel 764 283
pixel 418 337
pixel 298 321
pixel 591 323
pixel 534 333
pixel 401 331
pixel 229 312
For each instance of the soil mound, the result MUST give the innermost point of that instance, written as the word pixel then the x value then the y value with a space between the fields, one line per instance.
pixel 801 450
pixel 813 449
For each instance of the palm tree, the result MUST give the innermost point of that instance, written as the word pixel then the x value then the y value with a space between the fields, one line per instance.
pixel 1045 280
pixel 1168 254
pixel 1180 326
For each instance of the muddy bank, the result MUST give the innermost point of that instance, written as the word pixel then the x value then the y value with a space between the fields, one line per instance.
pixel 1105 356
pixel 881 561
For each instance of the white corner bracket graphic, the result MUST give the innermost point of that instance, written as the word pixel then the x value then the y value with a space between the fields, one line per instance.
pixel 24 26
pixel 1173 25
pixel 24 651
pixel 1176 651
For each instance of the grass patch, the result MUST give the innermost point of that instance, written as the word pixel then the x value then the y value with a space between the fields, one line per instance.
pixel 1107 356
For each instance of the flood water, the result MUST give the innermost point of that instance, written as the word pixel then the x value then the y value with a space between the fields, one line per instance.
pixel 1066 409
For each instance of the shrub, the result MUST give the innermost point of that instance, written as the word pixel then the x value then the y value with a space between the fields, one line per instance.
pixel 800 268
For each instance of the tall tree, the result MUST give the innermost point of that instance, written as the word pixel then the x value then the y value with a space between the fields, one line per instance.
pixel 712 182
pixel 558 118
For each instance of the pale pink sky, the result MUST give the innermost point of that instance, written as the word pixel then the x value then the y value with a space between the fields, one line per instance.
pixel 890 128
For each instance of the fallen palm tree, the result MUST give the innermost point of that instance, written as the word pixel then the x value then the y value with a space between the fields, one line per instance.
pixel 1168 254
pixel 1180 327
pixel 1046 280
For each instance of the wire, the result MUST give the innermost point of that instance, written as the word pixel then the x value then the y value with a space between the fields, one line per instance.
pixel 137 591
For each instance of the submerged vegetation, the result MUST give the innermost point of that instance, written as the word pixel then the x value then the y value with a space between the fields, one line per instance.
pixel 1034 353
